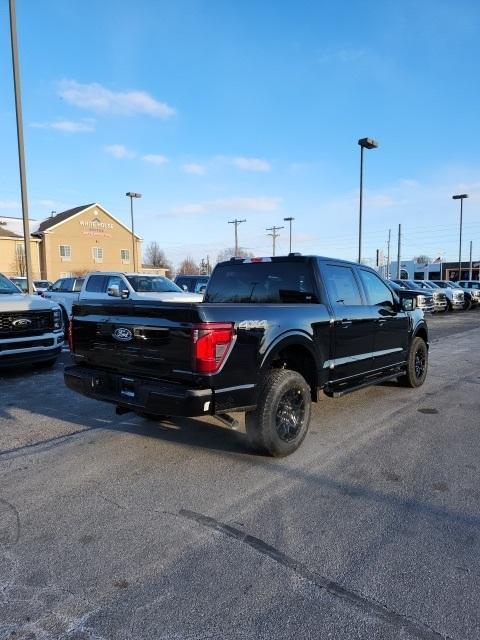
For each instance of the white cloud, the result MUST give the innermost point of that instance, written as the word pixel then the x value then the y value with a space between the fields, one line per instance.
pixel 68 126
pixel 119 151
pixel 235 204
pixel 250 164
pixel 9 204
pixel 155 158
pixel 95 97
pixel 195 169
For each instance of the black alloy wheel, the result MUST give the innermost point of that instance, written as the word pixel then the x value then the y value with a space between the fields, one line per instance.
pixel 290 414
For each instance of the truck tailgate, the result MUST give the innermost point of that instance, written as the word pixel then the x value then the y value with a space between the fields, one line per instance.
pixel 142 338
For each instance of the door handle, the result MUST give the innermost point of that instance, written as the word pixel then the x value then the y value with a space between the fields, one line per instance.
pixel 345 323
pixel 381 321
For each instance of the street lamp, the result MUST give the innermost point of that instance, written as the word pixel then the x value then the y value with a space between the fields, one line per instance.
pixel 365 143
pixel 289 220
pixel 132 195
pixel 460 197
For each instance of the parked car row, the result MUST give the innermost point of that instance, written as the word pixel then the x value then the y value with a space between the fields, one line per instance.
pixel 446 295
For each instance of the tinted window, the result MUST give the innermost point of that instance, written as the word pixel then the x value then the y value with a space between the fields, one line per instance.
pixel 67 284
pixel 379 295
pixel 56 286
pixel 261 282
pixel 95 284
pixel 78 284
pixel 342 286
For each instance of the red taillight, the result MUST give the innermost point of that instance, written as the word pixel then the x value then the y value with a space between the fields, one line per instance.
pixel 70 334
pixel 210 345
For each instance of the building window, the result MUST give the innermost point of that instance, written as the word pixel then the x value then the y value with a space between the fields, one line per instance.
pixel 125 255
pixel 97 253
pixel 65 252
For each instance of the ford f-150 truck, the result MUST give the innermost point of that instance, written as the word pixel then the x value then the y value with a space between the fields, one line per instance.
pixel 270 335
pixel 31 328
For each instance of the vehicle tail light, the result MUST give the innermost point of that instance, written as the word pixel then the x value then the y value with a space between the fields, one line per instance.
pixel 70 335
pixel 210 345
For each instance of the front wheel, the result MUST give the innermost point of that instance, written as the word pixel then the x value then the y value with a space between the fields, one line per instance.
pixel 467 305
pixel 280 422
pixel 417 364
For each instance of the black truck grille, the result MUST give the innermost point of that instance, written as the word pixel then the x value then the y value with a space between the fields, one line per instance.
pixel 25 323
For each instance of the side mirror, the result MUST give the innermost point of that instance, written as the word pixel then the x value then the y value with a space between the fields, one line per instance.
pixel 114 291
pixel 184 287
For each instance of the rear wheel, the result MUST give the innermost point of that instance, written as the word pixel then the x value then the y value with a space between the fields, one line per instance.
pixel 417 364
pixel 280 422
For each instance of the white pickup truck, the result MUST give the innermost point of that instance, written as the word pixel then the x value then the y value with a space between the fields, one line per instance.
pixel 134 286
pixel 65 293
pixel 31 328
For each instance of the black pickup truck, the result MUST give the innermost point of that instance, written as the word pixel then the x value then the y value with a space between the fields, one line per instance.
pixel 270 335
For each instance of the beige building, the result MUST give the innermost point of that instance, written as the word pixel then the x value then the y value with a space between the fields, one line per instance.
pixel 73 242
pixel 12 249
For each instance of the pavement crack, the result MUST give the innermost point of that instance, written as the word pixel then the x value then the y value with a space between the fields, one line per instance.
pixel 365 604
pixel 41 445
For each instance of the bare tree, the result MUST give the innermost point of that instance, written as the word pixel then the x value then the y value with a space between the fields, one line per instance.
pixel 188 266
pixel 155 257
pixel 226 254
pixel 422 259
pixel 20 262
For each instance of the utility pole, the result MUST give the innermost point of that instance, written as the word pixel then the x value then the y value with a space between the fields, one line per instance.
pixel 399 250
pixel 21 149
pixel 470 273
pixel 274 235
pixel 388 254
pixel 132 195
pixel 236 223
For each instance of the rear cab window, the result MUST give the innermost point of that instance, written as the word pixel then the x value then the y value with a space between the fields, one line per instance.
pixel 274 282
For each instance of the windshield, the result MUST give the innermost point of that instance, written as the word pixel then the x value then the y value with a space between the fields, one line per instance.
pixel 7 286
pixel 21 283
pixel 153 284
pixel 442 285
pixel 455 285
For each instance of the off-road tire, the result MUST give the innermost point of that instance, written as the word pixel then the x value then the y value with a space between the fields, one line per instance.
pixel 283 396
pixel 467 305
pixel 417 359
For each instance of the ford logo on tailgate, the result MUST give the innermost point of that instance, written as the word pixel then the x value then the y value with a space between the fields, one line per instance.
pixel 122 334
pixel 21 322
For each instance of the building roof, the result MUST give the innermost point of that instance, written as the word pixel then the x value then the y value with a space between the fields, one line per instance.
pixel 60 217
pixel 6 233
pixel 14 225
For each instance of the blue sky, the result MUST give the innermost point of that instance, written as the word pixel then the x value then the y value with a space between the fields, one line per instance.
pixel 221 109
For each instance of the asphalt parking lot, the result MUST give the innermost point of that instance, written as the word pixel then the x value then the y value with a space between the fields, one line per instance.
pixel 115 527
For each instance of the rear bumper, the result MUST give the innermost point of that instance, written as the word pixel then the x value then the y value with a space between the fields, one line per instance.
pixel 137 394
pixel 155 397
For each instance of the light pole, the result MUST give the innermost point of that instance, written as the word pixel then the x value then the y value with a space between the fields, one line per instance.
pixel 132 195
pixel 460 197
pixel 20 144
pixel 365 143
pixel 290 220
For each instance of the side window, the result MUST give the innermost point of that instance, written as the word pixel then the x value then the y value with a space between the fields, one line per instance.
pixel 115 281
pixel 78 285
pixel 67 284
pixel 95 284
pixel 342 286
pixel 56 286
pixel 379 295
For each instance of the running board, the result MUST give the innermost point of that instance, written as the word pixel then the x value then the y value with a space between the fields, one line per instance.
pixel 355 387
